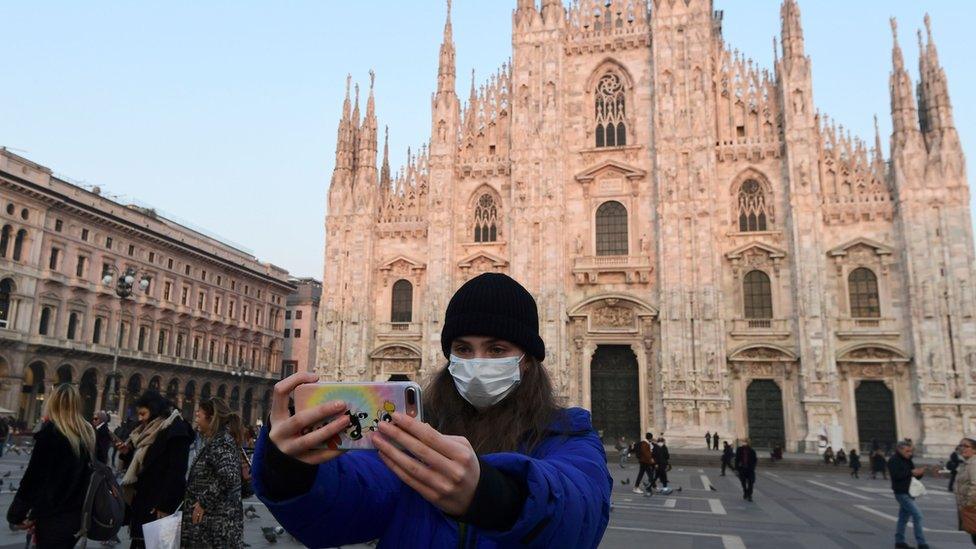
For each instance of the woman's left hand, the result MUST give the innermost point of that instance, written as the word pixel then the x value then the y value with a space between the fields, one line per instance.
pixel 197 516
pixel 443 469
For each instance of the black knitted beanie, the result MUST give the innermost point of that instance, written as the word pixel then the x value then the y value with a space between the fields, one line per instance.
pixel 494 305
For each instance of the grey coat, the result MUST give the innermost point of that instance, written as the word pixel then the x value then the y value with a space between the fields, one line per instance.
pixel 215 482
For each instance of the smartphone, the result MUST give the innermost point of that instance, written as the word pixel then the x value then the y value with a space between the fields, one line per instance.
pixel 368 404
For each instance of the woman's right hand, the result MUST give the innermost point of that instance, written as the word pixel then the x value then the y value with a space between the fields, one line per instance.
pixel 286 429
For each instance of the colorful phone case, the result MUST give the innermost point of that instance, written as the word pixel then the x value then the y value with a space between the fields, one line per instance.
pixel 368 404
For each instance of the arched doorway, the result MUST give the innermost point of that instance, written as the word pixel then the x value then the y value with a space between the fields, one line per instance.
pixel 64 374
pixel 764 410
pixel 614 392
pixel 222 392
pixel 206 392
pixel 235 399
pixel 248 405
pixel 32 394
pixel 875 406
pixel 173 390
pixel 155 383
pixel 133 391
pixel 89 392
pixel 189 399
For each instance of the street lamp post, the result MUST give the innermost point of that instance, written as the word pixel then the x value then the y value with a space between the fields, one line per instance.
pixel 241 371
pixel 123 281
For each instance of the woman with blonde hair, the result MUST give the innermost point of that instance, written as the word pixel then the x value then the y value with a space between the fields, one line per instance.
pixel 52 492
pixel 212 512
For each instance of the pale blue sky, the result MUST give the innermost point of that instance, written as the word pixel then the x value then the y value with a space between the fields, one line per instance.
pixel 224 113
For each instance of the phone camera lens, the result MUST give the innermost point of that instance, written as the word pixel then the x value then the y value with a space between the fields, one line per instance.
pixel 411 396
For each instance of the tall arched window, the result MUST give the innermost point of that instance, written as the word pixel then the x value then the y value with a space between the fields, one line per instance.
pixel 72 325
pixel 611 126
pixel 42 326
pixel 757 296
pixel 753 207
pixel 97 331
pixel 19 244
pixel 862 287
pixel 486 219
pixel 5 240
pixel 402 309
pixel 611 229
pixel 6 287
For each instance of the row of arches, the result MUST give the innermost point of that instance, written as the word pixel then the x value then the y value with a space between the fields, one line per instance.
pixel 186 397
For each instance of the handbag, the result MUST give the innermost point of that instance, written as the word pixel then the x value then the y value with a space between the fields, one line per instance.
pixel 916 489
pixel 967 519
pixel 164 533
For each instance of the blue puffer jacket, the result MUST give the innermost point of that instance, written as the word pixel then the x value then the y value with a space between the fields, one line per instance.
pixel 356 498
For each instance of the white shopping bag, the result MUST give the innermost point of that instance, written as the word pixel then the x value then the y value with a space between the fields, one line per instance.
pixel 163 533
pixel 916 489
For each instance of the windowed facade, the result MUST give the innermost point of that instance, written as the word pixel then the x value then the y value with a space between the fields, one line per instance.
pixel 6 288
pixel 81 266
pixel 97 331
pixel 72 325
pixel 486 219
pixel 44 324
pixel 52 262
pixel 611 125
pixel 5 239
pixel 757 295
pixel 19 244
pixel 611 229
pixel 402 308
pixel 862 287
pixel 753 207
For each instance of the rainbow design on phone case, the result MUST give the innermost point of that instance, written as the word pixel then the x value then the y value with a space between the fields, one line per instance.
pixel 367 405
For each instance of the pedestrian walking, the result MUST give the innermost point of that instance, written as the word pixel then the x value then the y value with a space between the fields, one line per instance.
pixel 212 512
pixel 855 463
pixel 662 464
pixel 623 450
pixel 103 437
pixel 953 465
pixel 708 440
pixel 903 470
pixel 966 486
pixel 727 456
pixel 645 460
pixel 155 459
pixel 878 464
pixel 715 439
pixel 49 500
pixel 496 462
pixel 745 464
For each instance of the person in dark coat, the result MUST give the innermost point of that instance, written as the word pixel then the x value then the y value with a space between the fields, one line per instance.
pixel 727 456
pixel 662 462
pixel 878 464
pixel 52 492
pixel 212 511
pixel 855 463
pixel 155 457
pixel 745 464
pixel 708 440
pixel 645 461
pixel 715 439
pixel 953 466
pixel 103 437
pixel 903 470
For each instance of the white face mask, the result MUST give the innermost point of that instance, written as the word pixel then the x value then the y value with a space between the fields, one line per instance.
pixel 485 381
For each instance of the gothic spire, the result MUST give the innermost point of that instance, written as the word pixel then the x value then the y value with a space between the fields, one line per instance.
pixel 385 169
pixel 366 157
pixel 792 32
pixel 904 117
pixel 935 108
pixel 445 69
pixel 344 136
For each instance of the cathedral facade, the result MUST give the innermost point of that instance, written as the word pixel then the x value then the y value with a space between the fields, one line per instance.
pixel 708 252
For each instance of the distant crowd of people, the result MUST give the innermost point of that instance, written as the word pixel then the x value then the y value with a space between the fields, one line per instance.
pixel 164 464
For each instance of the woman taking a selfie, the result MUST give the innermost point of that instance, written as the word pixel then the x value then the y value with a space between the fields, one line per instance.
pixel 52 491
pixel 497 464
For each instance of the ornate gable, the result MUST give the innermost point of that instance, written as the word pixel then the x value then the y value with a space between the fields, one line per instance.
pixel 755 255
pixel 401 267
pixel 611 174
pixel 481 262
pixel 860 242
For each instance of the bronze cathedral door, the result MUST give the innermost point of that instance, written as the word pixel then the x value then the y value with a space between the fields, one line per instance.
pixel 614 393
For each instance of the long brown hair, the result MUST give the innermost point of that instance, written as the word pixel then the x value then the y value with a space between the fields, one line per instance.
pixel 221 417
pixel 517 423
pixel 64 411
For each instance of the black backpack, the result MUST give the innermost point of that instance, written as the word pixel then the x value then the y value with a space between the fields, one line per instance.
pixel 103 513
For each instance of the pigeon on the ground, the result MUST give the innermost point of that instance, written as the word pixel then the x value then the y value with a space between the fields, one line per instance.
pixel 250 512
pixel 6 475
pixel 625 481
pixel 712 488
pixel 269 534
